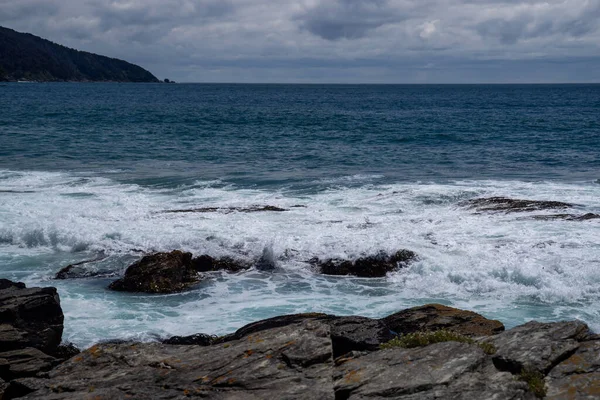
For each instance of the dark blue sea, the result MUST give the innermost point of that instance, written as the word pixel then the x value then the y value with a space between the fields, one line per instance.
pixel 87 171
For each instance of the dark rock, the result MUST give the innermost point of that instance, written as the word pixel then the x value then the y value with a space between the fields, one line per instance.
pixel 25 362
pixel 566 217
pixel 513 205
pixel 538 346
pixel 357 334
pixel 29 317
pixel 433 317
pixel 22 387
pixel 78 270
pixel 3 386
pixel 159 273
pixel 205 263
pixel 199 339
pixel 227 210
pixel 66 351
pixel 6 284
pixel 366 267
pixel 267 261
pixel 291 362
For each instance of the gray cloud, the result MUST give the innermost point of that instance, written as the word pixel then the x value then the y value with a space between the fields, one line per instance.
pixel 349 19
pixel 329 40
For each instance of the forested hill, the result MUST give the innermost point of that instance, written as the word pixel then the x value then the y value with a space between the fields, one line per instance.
pixel 27 57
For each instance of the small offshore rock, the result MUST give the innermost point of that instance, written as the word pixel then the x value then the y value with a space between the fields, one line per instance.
pixel 159 273
pixel 206 263
pixel 433 317
pixel 508 205
pixel 78 270
pixel 375 266
pixel 267 261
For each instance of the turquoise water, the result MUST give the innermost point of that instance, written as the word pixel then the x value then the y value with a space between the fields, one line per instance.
pixel 89 168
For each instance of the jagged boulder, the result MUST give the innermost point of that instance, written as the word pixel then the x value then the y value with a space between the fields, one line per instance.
pixel 159 273
pixel 374 266
pixel 29 317
pixel 31 325
pixel 433 317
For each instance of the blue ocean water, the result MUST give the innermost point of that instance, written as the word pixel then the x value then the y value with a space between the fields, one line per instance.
pixel 88 169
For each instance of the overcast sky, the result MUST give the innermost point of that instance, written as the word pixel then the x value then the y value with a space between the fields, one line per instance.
pixel 369 41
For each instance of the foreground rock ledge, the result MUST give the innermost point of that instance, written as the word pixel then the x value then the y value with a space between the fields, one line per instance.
pixel 320 356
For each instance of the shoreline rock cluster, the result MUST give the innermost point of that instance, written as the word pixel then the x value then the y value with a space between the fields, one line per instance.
pixel 302 356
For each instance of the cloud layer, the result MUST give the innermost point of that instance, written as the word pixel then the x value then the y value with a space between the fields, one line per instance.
pixel 329 40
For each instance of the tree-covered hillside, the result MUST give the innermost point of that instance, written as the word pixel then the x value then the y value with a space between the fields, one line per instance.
pixel 27 57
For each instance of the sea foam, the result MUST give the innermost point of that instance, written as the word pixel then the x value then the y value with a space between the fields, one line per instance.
pixel 505 266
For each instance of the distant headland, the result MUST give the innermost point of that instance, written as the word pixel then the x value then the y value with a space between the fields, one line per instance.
pixel 25 57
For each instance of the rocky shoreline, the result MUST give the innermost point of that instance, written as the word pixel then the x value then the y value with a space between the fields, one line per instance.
pixel 427 352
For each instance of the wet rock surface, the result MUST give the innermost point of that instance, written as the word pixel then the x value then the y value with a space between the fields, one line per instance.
pixel 159 273
pixel 81 270
pixel 508 205
pixel 374 266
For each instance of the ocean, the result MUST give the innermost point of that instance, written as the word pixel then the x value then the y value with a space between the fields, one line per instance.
pixel 88 171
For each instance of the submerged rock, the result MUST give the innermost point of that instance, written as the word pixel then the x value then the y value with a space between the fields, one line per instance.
pixel 78 270
pixel 227 210
pixel 267 261
pixel 566 217
pixel 366 267
pixel 433 317
pixel 508 205
pixel 159 273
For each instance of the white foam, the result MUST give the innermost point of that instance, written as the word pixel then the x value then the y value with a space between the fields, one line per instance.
pixel 502 265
